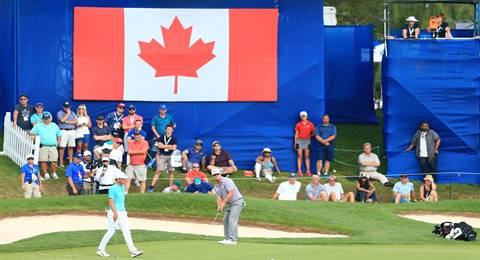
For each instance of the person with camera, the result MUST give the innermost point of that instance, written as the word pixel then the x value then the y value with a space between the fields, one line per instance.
pixel 89 184
pixel 105 175
pixel 30 179
pixel 114 119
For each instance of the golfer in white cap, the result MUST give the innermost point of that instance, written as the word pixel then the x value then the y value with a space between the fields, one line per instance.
pixel 117 216
pixel 411 29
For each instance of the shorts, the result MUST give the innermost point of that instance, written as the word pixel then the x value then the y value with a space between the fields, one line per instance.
pixel 32 190
pixel 404 200
pixel 85 139
pixel 48 154
pixel 164 163
pixel 138 172
pixel 325 153
pixel 303 144
pixel 68 138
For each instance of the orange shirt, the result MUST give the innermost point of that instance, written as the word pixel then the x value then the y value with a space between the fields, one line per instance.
pixel 129 120
pixel 138 159
pixel 195 174
pixel 306 130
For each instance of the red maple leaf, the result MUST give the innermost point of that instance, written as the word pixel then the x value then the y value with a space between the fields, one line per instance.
pixel 177 57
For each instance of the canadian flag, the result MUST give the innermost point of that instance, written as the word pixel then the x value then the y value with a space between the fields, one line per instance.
pixel 142 54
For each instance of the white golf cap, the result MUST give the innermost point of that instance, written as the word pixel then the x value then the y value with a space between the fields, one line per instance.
pixel 267 150
pixel 87 153
pixel 411 19
pixel 120 175
pixel 30 156
pixel 303 113
pixel 217 170
pixel 105 159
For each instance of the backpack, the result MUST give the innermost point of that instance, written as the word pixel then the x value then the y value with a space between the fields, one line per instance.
pixel 457 231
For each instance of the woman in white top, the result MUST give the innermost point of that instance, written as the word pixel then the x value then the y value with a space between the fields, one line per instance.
pixel 82 132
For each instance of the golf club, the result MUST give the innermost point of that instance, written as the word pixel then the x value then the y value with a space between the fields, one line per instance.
pixel 216 216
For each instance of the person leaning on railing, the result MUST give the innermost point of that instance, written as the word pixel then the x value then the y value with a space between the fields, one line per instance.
pixel 411 29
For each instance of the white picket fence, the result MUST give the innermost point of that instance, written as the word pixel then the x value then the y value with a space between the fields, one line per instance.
pixel 17 143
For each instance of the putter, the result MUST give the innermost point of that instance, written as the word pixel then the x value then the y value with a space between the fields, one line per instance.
pixel 216 216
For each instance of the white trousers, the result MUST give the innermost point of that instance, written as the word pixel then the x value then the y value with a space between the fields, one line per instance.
pixel 122 224
pixel 266 172
pixel 376 176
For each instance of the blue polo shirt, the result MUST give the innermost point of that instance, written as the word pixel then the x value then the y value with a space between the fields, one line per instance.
pixel 31 173
pixel 71 117
pixel 117 194
pixel 48 133
pixel 325 131
pixel 204 187
pixel 76 172
pixel 160 123
pixel 132 132
pixel 195 157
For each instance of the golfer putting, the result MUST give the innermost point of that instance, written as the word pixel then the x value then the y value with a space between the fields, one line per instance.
pixel 228 196
pixel 117 216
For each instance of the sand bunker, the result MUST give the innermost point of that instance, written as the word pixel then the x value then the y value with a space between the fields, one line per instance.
pixel 14 229
pixel 439 218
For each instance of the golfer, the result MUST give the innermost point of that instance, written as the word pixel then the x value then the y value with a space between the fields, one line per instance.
pixel 229 196
pixel 117 216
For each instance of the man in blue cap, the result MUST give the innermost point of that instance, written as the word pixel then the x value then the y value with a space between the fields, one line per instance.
pixel 30 179
pixel 75 175
pixel 160 121
pixel 199 186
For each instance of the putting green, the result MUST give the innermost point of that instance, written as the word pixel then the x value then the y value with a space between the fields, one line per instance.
pixel 189 249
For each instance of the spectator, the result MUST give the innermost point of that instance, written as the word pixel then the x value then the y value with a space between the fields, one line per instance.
pixel 315 191
pixel 265 164
pixel 304 131
pixel 137 169
pixel 193 155
pixel 365 190
pixel 160 121
pixel 411 29
pixel 166 144
pixel 30 179
pixel 22 113
pixel 195 173
pixel 403 190
pixel 82 132
pixel 105 176
pixel 199 186
pixel 428 190
pixel 426 143
pixel 325 134
pixel 50 136
pixel 288 190
pixel 335 192
pixel 173 188
pixel 117 152
pixel 221 159
pixel 138 127
pixel 114 120
pixel 75 175
pixel 67 120
pixel 369 164
pixel 443 29
pixel 37 116
pixel 89 184
pixel 128 123
pixel 101 134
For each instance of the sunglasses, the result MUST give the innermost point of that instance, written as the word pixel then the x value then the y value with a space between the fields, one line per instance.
pixel 29 159
pixel 131 109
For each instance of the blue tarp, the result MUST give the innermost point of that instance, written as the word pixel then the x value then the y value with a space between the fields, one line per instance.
pixel 437 81
pixel 36 58
pixel 349 73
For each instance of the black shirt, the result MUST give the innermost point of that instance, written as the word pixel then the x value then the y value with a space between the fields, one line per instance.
pixel 23 118
pixel 441 32
pixel 411 30
pixel 163 139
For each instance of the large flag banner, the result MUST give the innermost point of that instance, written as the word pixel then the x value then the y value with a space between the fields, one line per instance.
pixel 141 54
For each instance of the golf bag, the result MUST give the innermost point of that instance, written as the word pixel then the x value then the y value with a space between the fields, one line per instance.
pixel 457 231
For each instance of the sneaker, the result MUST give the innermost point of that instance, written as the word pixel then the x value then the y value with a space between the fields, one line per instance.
pixel 102 253
pixel 136 253
pixel 137 183
pixel 326 175
pixel 273 179
pixel 388 184
pixel 55 176
pixel 223 241
pixel 150 189
pixel 184 170
pixel 259 179
pixel 300 174
pixel 309 174
pixel 46 176
pixel 230 242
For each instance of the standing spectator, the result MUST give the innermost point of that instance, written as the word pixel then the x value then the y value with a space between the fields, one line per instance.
pixel 195 173
pixel 89 184
pixel 105 176
pixel 428 190
pixel 265 164
pixel 30 179
pixel 199 186
pixel 137 169
pixel 75 175
pixel 325 134
pixel 128 123
pixel 411 29
pixel 335 192
pixel 173 188
pixel 369 164
pixel 166 144
pixel 160 121
pixel 67 120
pixel 37 116
pixel 114 120
pixel 22 113
pixel 117 152
pixel 426 143
pixel 403 191
pixel 50 137
pixel 221 159
pixel 101 134
pixel 138 127
pixel 193 155
pixel 288 190
pixel 82 132
pixel 365 190
pixel 443 29
pixel 304 131
pixel 315 191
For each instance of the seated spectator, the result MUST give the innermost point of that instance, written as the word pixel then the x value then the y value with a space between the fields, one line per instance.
pixel 105 176
pixel 173 188
pixel 221 159
pixel 411 29
pixel 428 190
pixel 89 184
pixel 37 116
pixel 199 186
pixel 22 113
pixel 101 134
pixel 369 164
pixel 82 131
pixel 443 29
pixel 117 152
pixel 265 164
pixel 315 191
pixel 365 190
pixel 195 173
pixel 75 175
pixel 288 190
pixel 192 155
pixel 138 127
pixel 30 179
pixel 136 169
pixel 403 190
pixel 166 144
pixel 67 120
pixel 335 192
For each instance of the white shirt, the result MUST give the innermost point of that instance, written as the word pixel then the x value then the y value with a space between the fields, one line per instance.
pixel 287 191
pixel 117 154
pixel 337 188
pixel 363 158
pixel 169 190
pixel 108 177
pixel 83 130
pixel 423 145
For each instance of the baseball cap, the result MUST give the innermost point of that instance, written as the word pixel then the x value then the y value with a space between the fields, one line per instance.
pixel 30 156
pixel 216 142
pixel 403 176
pixel 118 140
pixel 292 175
pixel 100 117
pixel 197 181
pixel 428 178
pixel 216 171
pixel 266 150
pixel 39 104
pixel 66 104
pixel 78 155
pixel 177 183
pixel 121 105
pixel 105 159
pixel 163 107
pixel 303 113
pixel 46 115
pixel 87 153
pixel 198 141
pixel 132 107
pixel 136 132
pixel 120 175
